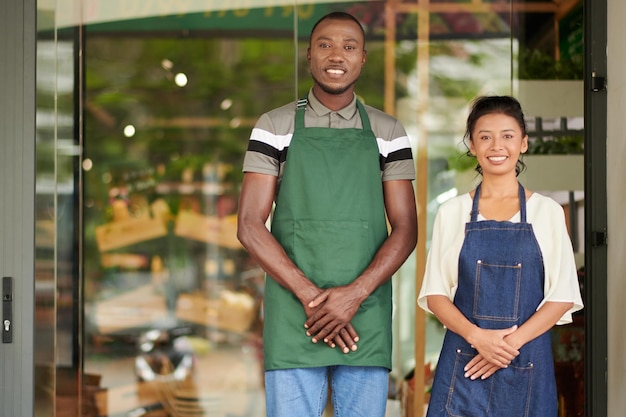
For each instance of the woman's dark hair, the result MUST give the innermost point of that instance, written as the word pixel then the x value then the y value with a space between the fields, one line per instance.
pixel 485 105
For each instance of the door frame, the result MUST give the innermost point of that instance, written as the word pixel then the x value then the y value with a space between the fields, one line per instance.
pixel 17 187
pixel 596 223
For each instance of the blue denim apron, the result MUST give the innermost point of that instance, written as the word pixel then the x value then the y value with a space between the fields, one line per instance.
pixel 501 280
pixel 330 219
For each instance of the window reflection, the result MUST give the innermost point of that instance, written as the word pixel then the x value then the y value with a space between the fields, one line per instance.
pixel 173 303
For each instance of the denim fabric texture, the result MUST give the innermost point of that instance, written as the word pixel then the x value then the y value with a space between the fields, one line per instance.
pixel 356 391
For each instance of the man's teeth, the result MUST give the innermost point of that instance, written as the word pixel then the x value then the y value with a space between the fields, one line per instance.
pixel 335 71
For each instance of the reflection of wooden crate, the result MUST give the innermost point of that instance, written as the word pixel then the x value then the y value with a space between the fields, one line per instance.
pixel 161 398
pixel 118 234
pixel 136 308
pixel 231 311
pixel 221 231
pixel 122 400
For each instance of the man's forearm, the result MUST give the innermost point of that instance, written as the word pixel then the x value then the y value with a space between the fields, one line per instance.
pixel 272 258
pixel 389 258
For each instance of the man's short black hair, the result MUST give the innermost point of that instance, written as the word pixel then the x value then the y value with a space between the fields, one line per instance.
pixel 337 16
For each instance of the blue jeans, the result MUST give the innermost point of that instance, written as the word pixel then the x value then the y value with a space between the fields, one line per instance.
pixel 356 391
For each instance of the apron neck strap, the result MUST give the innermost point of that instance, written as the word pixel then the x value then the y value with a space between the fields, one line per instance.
pixel 301 107
pixel 522 203
pixel 365 121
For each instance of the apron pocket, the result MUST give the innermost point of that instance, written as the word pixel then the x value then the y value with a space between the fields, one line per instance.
pixel 466 397
pixel 505 393
pixel 511 391
pixel 332 253
pixel 497 291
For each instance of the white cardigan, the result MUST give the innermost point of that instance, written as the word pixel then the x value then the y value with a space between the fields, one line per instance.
pixel 548 222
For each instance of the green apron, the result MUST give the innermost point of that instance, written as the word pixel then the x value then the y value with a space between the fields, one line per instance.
pixel 330 219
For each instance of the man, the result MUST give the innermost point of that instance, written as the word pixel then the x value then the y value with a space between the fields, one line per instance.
pixel 329 257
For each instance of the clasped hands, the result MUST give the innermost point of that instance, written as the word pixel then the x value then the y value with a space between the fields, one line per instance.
pixel 329 315
pixel 496 349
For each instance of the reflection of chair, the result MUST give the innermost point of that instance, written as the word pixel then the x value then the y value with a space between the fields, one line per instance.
pixel 161 351
pixel 181 398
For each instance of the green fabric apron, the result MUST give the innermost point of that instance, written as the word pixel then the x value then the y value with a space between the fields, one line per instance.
pixel 330 219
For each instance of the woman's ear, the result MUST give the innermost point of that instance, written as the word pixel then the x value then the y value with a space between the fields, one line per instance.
pixel 524 144
pixel 472 151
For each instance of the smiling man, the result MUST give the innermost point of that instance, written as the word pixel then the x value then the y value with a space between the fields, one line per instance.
pixel 337 170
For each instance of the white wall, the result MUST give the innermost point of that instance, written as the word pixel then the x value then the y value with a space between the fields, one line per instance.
pixel 616 172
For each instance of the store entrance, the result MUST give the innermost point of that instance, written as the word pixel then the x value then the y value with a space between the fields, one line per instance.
pixel 146 293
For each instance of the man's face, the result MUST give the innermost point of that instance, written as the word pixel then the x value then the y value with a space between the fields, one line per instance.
pixel 336 55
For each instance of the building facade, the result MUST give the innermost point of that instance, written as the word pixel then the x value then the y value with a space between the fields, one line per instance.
pixel 123 124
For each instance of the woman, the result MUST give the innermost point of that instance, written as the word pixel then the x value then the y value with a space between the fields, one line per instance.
pixel 500 273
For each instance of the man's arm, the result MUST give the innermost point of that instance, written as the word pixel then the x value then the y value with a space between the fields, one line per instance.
pixel 339 305
pixel 255 205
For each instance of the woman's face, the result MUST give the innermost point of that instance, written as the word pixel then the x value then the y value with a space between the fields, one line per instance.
pixel 497 143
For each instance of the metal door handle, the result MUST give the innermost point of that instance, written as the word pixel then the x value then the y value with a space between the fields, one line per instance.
pixel 7 309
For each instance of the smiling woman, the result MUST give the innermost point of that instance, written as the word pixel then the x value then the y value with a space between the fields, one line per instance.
pixel 497 142
pixel 515 279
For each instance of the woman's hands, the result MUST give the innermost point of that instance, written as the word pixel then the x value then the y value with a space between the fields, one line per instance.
pixel 496 348
pixel 495 351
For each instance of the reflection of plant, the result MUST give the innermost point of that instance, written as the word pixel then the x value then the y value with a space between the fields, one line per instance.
pixel 535 65
pixel 557 145
pixel 458 160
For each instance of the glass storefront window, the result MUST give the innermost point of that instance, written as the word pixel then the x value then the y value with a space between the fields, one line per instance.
pixel 57 220
pixel 157 304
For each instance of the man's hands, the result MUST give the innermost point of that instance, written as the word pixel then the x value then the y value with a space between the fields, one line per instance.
pixel 329 315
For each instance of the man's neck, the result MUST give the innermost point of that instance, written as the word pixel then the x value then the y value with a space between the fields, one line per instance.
pixel 334 102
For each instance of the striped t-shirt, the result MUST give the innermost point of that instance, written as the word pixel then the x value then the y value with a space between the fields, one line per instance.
pixel 271 136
